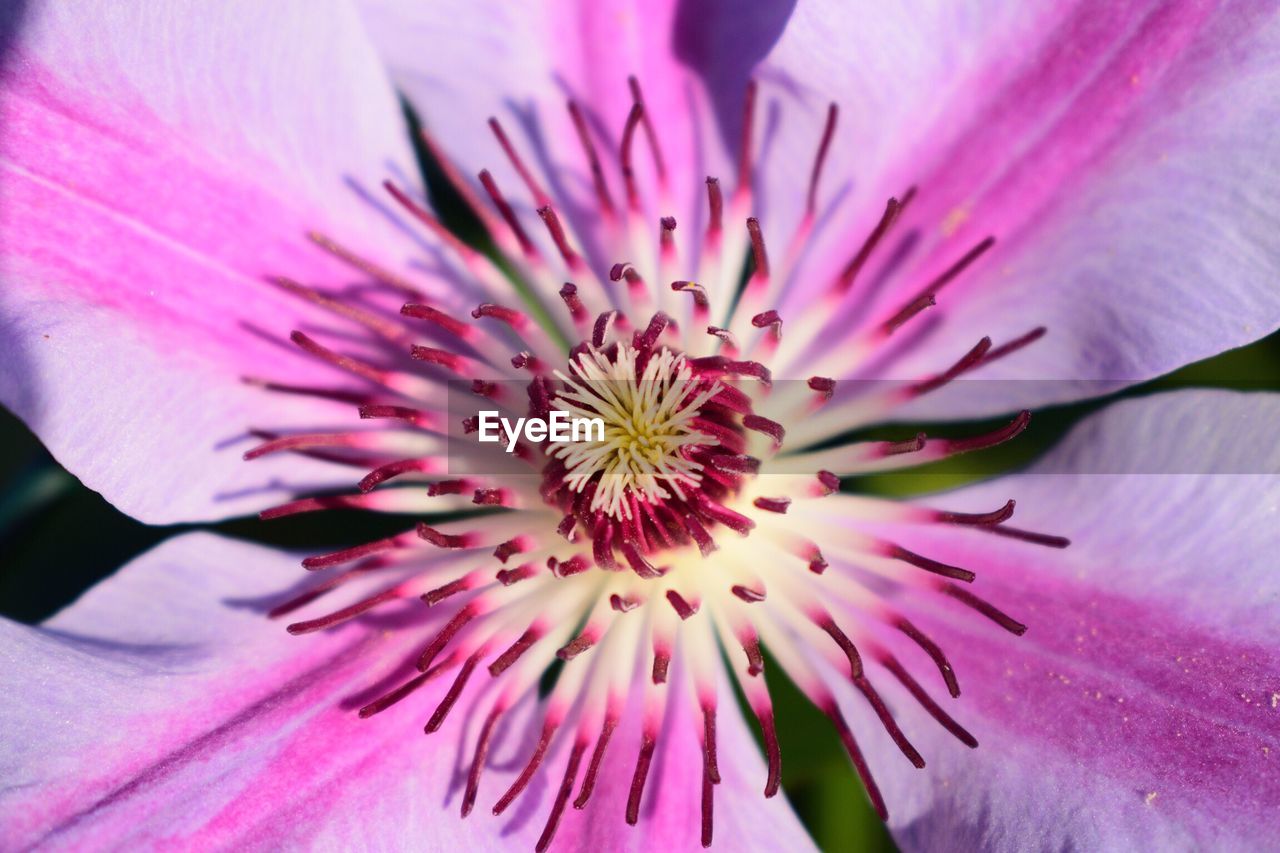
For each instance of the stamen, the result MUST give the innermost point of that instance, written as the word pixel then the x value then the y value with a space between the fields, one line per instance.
pixel 897 552
pixel 556 230
pixel 540 197
pixel 638 778
pixel 659 165
pixel 597 171
pixel 512 654
pixel 744 148
pixel 1028 536
pixel 715 203
pixel 522 781
pixel 628 173
pixel 508 214
pixel 1013 626
pixel 478 759
pixel 759 257
pixel 562 796
pixel 892 210
pixel 913 687
pixel 828 133
pixel 597 756
pixel 451 697
pixel 855 755
pixel 932 650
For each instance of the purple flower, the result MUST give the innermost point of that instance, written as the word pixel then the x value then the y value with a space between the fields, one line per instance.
pixel 183 190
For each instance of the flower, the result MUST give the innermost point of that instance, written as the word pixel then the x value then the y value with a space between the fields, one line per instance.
pixel 647 571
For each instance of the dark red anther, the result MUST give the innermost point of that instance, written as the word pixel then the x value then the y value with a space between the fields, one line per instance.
pixel 451 697
pixel 908 311
pixel 897 552
pixel 759 257
pixel 508 214
pixel 344 362
pixel 576 564
pixel 709 742
pixel 744 147
pixel 562 796
pixel 755 660
pixel 424 216
pixel 569 293
pixel 996 516
pixel 399 413
pixel 346 555
pixel 597 756
pixel 666 234
pixel 949 274
pixel 388 329
pixel 772 751
pixel 926 701
pixel 568 528
pixel 778 505
pixel 577 645
pixel 638 563
pixel 510 316
pixel 522 781
pixel 933 651
pixel 682 607
pixel 345 614
pixel 1013 626
pixel 828 707
pixel 661 663
pixel 715 201
pixel 911 445
pixel 828 482
pixel 443 540
pixel 726 337
pixel 729 518
pixel 447 633
pixel 697 291
pixel 1044 539
pixel 773 429
pixel 600 331
pixel 597 171
pixel 967 362
pixel 484 389
pixel 490 497
pixel 439 357
pixel 737 463
pixel 385 701
pixel 825 387
pixel 540 197
pixel 1015 344
pixel 450 324
pixel 513 653
pixel 828 133
pixel 558 236
pixel 886 719
pixel 826 623
pixel 512 546
pixel 638 778
pixel 448 487
pixel 769 320
pixel 624 155
pixel 991 439
pixel 817 563
pixel 620 271
pixel 637 96
pixel 364 265
pixel 892 210
pixel 440 593
pixel 747 594
pixel 623 605
pixel 507 577
pixel 648 339
pixel 478 759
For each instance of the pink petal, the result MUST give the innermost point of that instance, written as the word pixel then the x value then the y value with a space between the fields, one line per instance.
pixel 1140 708
pixel 522 62
pixel 1119 155
pixel 163 709
pixel 157 165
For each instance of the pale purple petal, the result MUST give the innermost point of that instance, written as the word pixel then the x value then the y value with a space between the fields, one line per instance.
pixel 163 708
pixel 157 163
pixel 1140 709
pixel 1121 156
